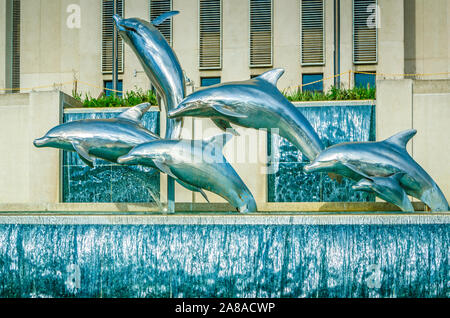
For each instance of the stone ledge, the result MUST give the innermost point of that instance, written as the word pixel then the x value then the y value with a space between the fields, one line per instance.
pixel 301 207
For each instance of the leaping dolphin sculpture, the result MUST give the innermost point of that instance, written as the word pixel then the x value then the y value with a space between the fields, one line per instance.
pixel 255 103
pixel 356 160
pixel 106 139
pixel 195 164
pixel 159 61
pixel 387 188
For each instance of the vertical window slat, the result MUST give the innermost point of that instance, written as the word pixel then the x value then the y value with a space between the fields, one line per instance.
pixel 158 7
pixel 210 33
pixel 107 36
pixel 312 24
pixel 15 63
pixel 364 31
pixel 260 33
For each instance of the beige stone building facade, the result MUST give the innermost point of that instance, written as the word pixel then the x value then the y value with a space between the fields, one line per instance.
pixel 48 44
pixel 64 40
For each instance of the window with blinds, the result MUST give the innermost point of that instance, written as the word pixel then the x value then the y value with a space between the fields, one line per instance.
pixel 312 24
pixel 15 65
pixel 210 33
pixel 364 31
pixel 158 7
pixel 107 37
pixel 260 33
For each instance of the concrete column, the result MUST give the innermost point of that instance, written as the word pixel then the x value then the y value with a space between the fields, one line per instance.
pixel 286 41
pixel 28 174
pixel 394 111
pixel 431 101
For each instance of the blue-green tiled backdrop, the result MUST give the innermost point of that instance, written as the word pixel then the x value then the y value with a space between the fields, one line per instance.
pixel 108 182
pixel 334 124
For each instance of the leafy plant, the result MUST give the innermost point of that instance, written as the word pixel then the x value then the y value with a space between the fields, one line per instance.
pixel 334 93
pixel 130 98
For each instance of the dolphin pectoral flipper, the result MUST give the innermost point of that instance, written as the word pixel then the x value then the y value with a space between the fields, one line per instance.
pixel 135 113
pixel 225 126
pixel 356 171
pixel 194 189
pixel 222 109
pixel 83 153
pixel 164 168
pixel 163 17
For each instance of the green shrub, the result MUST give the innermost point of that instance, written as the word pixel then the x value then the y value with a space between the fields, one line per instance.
pixel 356 93
pixel 130 98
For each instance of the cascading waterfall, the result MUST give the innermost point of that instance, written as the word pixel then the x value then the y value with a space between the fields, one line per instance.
pixel 108 182
pixel 333 124
pixel 280 256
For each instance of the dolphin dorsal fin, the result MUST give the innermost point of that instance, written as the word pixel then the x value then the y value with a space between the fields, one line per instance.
pixel 272 76
pixel 219 140
pixel 135 113
pixel 402 138
pixel 163 17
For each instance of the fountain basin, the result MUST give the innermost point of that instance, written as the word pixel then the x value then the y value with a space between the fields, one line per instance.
pixel 216 254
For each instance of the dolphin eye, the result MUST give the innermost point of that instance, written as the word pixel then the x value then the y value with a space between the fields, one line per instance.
pixel 129 28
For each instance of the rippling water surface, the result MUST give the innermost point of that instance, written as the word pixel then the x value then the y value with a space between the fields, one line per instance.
pixel 108 182
pixel 224 260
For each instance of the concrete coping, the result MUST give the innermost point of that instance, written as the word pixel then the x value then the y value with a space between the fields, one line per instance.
pixel 102 109
pixel 300 207
pixel 363 102
pixel 156 108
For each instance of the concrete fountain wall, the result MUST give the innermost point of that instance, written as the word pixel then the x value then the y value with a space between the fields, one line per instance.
pixel 225 256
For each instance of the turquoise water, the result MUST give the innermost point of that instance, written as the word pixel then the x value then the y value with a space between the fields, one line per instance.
pixel 108 182
pixel 333 124
pixel 408 260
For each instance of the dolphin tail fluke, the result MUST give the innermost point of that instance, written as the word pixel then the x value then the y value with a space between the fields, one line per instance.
pixel 435 199
pixel 163 17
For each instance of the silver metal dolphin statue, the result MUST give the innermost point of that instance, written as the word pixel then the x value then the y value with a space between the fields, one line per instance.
pixel 159 62
pixel 356 160
pixel 255 103
pixel 106 139
pixel 196 164
pixel 387 188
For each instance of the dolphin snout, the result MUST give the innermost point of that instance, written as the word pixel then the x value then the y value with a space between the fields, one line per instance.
pixel 126 159
pixel 174 113
pixel 363 184
pixel 311 167
pixel 118 19
pixel 40 142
